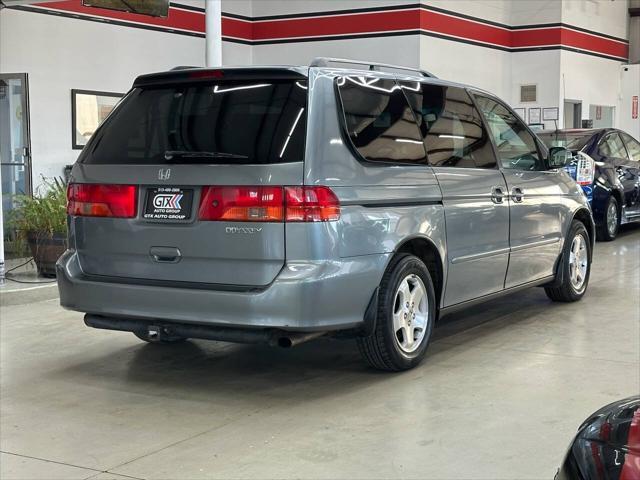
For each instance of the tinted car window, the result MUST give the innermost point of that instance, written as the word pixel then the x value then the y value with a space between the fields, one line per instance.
pixel 612 146
pixel 633 146
pixel 379 121
pixel 254 122
pixel 516 146
pixel 570 141
pixel 452 127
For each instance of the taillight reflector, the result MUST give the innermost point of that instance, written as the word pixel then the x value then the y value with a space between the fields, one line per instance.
pixel 268 204
pixel 95 200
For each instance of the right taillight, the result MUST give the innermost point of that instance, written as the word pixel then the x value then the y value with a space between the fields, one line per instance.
pixel 97 200
pixel 268 204
pixel 311 204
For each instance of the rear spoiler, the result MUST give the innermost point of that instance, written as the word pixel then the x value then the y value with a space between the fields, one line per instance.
pixel 194 75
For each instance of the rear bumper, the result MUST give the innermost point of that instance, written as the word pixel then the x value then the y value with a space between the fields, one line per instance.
pixel 306 296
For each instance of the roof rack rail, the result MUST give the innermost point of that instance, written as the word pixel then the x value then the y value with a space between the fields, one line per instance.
pixel 325 61
pixel 183 67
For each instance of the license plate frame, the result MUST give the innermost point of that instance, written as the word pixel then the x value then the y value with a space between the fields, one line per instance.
pixel 168 204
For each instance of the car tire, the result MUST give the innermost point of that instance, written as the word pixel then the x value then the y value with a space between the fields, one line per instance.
pixel 402 329
pixel 576 266
pixel 611 223
pixel 166 340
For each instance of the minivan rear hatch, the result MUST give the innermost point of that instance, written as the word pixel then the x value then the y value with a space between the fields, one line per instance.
pixel 183 181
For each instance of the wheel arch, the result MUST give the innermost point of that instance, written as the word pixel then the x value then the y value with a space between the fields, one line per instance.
pixel 618 195
pixel 584 215
pixel 427 251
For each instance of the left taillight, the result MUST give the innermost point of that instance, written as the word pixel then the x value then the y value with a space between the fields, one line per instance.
pixel 97 200
pixel 242 204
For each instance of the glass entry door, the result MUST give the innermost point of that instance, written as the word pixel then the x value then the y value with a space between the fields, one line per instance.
pixel 15 148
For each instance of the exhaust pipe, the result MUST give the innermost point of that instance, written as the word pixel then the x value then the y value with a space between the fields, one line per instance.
pixel 289 340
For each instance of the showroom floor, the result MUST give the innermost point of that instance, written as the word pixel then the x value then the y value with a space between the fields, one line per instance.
pixel 500 396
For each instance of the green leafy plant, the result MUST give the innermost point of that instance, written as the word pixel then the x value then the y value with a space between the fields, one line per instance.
pixel 44 214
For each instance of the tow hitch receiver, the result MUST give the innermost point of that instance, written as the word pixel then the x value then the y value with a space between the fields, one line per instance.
pixel 154 333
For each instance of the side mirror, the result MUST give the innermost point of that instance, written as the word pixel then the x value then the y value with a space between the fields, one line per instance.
pixel 559 157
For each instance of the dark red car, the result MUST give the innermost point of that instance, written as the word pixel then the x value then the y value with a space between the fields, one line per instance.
pixel 607 445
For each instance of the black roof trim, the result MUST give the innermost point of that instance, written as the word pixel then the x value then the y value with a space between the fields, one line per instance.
pixel 194 75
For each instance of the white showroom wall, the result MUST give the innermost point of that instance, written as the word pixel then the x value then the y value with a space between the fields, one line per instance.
pixel 608 17
pixel 262 8
pixel 402 50
pixel 628 108
pixel 482 67
pixel 536 68
pixel 60 54
pixel 592 80
pixel 493 10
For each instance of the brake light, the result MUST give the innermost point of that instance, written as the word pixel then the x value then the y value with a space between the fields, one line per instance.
pixel 94 200
pixel 268 204
pixel 311 204
pixel 242 204
pixel 206 74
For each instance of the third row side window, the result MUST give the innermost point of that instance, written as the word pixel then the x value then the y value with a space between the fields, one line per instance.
pixel 451 126
pixel 379 121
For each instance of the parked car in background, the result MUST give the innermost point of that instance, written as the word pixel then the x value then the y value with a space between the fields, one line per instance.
pixel 279 204
pixel 614 184
pixel 607 445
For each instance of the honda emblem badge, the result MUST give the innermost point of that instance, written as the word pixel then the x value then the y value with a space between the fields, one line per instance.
pixel 164 174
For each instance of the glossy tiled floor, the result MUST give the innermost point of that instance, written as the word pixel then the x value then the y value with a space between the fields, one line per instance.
pixel 500 395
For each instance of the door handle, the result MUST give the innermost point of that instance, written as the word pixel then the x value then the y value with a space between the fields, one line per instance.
pixel 517 194
pixel 165 254
pixel 497 195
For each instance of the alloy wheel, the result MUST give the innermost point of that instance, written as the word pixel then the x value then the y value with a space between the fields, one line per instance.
pixel 612 218
pixel 410 313
pixel 578 262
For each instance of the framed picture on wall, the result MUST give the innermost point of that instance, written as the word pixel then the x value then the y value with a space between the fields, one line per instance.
pixel 534 116
pixel 88 110
pixel 550 114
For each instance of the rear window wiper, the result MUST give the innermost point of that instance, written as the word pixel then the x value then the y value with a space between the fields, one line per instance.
pixel 170 154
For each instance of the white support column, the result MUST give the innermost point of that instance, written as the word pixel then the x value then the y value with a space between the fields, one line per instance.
pixel 213 28
pixel 1 236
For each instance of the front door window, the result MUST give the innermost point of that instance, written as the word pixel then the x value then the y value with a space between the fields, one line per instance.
pixel 517 149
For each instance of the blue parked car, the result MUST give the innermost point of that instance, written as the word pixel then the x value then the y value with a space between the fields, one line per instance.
pixel 607 166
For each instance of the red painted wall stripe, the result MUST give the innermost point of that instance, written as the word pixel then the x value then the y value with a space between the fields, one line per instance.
pixel 232 27
pixel 573 38
pixel 467 29
pixel 385 21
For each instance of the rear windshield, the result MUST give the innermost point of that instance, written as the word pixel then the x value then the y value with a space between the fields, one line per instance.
pixel 570 141
pixel 253 122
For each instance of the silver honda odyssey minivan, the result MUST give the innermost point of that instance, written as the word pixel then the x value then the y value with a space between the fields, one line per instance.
pixel 280 204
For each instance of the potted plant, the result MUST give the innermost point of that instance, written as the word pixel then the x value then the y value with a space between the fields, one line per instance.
pixel 41 220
